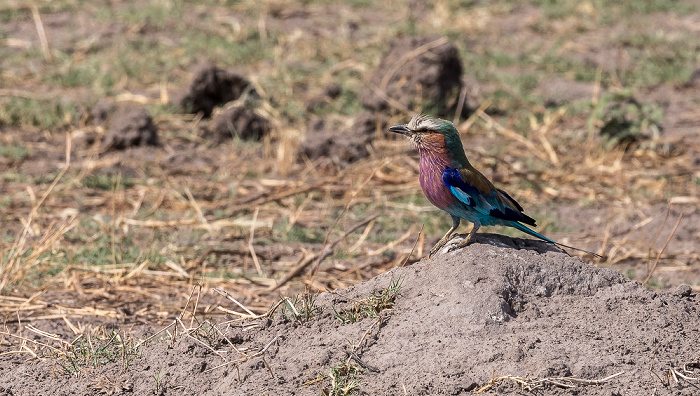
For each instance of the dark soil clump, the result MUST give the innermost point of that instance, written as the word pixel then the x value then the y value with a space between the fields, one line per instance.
pixel 342 146
pixel 329 93
pixel 100 111
pixel 130 127
pixel 415 71
pixel 211 87
pixel 694 80
pixel 241 122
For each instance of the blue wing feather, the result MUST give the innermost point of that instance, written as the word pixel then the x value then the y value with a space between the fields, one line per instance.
pixel 491 204
pixel 495 204
pixel 466 193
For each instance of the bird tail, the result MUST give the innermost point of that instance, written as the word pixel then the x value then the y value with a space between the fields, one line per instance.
pixel 527 230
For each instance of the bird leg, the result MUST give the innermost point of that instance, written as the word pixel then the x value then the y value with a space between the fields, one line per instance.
pixel 466 240
pixel 443 240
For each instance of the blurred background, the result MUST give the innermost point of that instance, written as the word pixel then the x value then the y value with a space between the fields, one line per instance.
pixel 150 146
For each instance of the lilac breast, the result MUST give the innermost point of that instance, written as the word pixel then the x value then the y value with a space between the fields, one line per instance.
pixel 431 169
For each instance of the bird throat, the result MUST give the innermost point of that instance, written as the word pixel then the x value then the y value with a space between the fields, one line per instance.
pixel 434 153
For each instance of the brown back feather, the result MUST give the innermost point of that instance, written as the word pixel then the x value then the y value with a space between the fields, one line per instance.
pixel 480 182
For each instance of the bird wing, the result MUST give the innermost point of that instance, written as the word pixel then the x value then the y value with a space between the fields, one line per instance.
pixel 474 190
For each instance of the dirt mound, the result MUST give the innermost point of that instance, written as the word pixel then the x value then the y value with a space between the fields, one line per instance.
pixel 342 145
pixel 241 122
pixel 100 111
pixel 415 71
pixel 211 87
pixel 491 308
pixel 329 93
pixel 694 80
pixel 499 307
pixel 129 127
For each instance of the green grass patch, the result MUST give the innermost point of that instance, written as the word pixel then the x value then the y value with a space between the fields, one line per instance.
pixel 297 233
pixel 45 114
pixel 625 120
pixel 610 11
pixel 224 274
pixel 227 51
pixel 104 250
pixel 343 379
pixel 300 308
pixel 92 352
pixel 107 182
pixel 93 243
pixel 15 151
pixel 649 6
pixel 92 72
pixel 371 306
pixel 45 178
pixel 5 201
pixel 659 57
pixel 154 12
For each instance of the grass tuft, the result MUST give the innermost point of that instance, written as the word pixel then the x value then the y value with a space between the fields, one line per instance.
pixel 41 113
pixel 300 308
pixel 624 120
pixel 16 152
pixel 343 380
pixel 95 351
pixel 371 306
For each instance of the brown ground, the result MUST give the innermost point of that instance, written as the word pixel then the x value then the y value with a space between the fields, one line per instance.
pixel 501 308
pixel 156 208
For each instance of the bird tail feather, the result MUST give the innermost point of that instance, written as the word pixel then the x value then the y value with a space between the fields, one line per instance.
pixel 527 230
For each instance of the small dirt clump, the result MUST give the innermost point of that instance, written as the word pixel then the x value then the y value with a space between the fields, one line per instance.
pixel 329 93
pixel 212 86
pixel 341 145
pixel 241 122
pixel 130 127
pixel 694 80
pixel 415 72
pixel 100 111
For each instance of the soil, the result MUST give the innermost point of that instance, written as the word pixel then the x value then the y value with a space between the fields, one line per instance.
pixel 415 70
pixel 498 307
pixel 212 86
pixel 342 145
pixel 100 111
pixel 329 93
pixel 241 122
pixel 130 127
pixel 559 91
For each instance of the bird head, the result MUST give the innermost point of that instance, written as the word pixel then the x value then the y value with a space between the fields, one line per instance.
pixel 426 132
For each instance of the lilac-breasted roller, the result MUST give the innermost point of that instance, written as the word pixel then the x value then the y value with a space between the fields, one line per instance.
pixel 452 184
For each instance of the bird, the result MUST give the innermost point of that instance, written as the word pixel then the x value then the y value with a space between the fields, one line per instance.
pixel 452 184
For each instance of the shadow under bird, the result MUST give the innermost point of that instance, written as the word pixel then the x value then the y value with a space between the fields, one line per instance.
pixel 452 184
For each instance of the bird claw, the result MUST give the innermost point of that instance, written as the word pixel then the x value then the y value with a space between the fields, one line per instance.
pixel 464 242
pixel 441 243
pixel 437 247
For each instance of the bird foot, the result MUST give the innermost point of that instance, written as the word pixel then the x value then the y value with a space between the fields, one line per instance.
pixel 441 243
pixel 450 246
pixel 437 247
pixel 464 242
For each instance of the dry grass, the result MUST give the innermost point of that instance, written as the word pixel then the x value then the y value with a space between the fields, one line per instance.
pixel 350 206
pixel 255 219
pixel 532 384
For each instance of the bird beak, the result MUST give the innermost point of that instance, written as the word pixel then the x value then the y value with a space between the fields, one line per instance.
pixel 401 129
